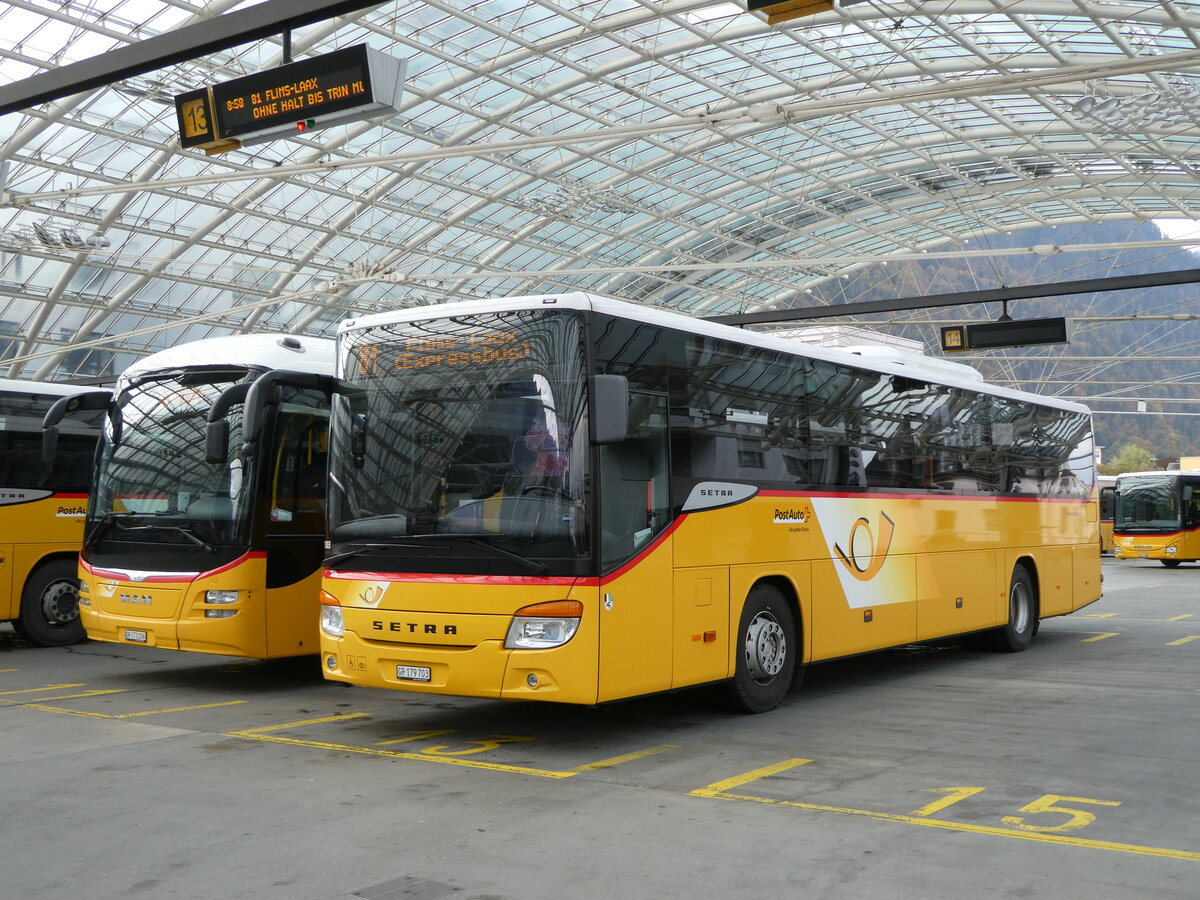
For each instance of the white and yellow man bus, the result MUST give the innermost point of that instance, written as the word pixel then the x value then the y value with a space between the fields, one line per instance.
pixel 1157 517
pixel 183 553
pixel 576 499
pixel 42 505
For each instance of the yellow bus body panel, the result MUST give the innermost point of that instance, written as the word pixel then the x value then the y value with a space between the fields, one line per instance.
pixel 170 611
pixel 866 571
pixel 1185 544
pixel 31 533
pixel 456 627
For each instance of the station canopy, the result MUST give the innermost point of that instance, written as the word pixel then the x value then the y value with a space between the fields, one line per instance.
pixel 675 153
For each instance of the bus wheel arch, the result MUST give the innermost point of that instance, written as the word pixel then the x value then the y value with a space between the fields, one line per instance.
pixel 767 649
pixel 49 613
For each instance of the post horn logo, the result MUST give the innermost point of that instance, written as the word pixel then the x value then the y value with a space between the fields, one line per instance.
pixel 876 550
pixel 370 596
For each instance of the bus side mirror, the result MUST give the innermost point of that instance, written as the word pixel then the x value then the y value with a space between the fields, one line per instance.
pixel 216 442
pixel 358 439
pixel 610 408
pixel 49 444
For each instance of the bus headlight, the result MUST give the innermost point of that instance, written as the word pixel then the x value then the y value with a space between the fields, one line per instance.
pixel 544 625
pixel 332 622
pixel 85 591
pixel 1172 549
pixel 221 598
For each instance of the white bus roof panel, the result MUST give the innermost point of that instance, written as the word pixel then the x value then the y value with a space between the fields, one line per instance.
pixel 894 362
pixel 264 351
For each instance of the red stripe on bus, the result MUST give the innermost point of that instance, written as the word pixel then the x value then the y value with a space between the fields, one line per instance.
pixel 871 495
pixel 161 577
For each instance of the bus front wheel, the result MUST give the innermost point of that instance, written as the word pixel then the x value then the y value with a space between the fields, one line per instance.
pixel 1170 563
pixel 766 651
pixel 1022 624
pixel 50 606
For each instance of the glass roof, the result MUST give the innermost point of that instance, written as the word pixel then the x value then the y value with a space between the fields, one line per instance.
pixel 669 152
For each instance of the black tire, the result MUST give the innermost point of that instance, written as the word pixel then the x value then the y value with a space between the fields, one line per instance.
pixel 1170 563
pixel 1022 624
pixel 766 652
pixel 50 606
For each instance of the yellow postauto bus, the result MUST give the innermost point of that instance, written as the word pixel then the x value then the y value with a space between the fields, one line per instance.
pixel 1157 517
pixel 1107 496
pixel 218 557
pixel 42 505
pixel 576 499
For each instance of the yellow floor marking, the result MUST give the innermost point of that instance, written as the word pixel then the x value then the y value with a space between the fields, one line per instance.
pixel 338 718
pixel 10 670
pixel 96 693
pixel 62 709
pixel 1180 618
pixel 158 712
pixel 49 687
pixel 1133 618
pixel 624 758
pixel 1186 640
pixel 1098 615
pixel 418 736
pixel 258 734
pixel 1100 635
pixel 719 790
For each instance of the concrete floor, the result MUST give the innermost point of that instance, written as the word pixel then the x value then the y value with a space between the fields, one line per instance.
pixel 1067 771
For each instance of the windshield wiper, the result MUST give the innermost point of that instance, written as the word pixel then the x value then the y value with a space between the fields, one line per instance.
pixel 202 544
pixel 100 526
pixel 415 540
pixel 358 550
pixel 481 540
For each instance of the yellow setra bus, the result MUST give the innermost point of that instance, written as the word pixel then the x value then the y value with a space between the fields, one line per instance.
pixel 42 505
pixel 212 549
pixel 576 499
pixel 1157 516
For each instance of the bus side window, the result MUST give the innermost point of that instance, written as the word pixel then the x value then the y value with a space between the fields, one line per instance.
pixel 633 477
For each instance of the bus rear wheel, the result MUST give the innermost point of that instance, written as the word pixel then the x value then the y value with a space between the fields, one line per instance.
pixel 50 606
pixel 1022 624
pixel 766 651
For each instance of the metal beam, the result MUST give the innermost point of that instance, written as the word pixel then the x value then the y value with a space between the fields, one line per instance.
pixel 218 33
pixel 963 298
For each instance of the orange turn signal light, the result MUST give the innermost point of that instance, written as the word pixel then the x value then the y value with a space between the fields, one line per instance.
pixel 327 599
pixel 554 609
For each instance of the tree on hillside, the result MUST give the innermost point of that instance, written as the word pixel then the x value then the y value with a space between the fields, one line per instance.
pixel 1132 458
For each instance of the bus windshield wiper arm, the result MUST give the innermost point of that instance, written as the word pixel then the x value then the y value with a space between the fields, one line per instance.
pixel 483 540
pixel 202 544
pixel 100 526
pixel 361 548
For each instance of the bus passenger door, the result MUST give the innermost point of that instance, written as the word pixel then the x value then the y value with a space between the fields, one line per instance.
pixel 637 594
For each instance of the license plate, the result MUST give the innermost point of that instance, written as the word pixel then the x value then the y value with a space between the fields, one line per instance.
pixel 413 673
pixel 136 636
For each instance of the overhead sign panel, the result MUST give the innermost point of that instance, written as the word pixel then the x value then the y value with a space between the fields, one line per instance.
pixel 1011 333
pixel 352 84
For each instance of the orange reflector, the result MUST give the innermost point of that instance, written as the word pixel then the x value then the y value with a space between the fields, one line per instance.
pixel 327 599
pixel 554 609
pixel 709 637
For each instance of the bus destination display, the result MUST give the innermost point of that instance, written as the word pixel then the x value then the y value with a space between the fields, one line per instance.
pixel 349 85
pixel 331 83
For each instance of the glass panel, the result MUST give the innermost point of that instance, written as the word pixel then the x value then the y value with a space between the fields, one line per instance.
pixel 633 476
pixel 473 427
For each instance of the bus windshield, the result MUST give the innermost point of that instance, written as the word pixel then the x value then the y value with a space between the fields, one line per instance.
pixel 153 484
pixel 472 446
pixel 1149 504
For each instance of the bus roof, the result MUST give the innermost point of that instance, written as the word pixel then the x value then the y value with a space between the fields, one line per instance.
pixel 50 388
pixel 264 351
pixel 888 360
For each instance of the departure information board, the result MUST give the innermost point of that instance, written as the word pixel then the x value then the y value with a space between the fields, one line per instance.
pixel 331 83
pixel 351 84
